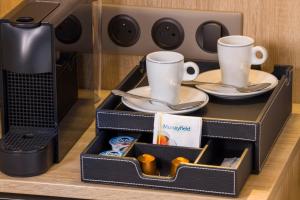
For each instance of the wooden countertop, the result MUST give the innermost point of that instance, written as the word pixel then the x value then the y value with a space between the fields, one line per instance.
pixel 275 181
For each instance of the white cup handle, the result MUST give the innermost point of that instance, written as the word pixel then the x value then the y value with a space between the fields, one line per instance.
pixel 255 59
pixel 186 75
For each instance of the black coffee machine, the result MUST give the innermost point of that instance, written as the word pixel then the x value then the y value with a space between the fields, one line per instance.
pixel 45 104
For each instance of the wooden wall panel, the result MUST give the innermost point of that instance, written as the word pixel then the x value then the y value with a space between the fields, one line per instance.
pixel 7 5
pixel 274 24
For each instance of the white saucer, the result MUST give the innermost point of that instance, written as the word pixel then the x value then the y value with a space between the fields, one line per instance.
pixel 187 94
pixel 255 77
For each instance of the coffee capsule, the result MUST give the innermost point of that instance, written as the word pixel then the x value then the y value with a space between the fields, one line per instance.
pixel 148 164
pixel 175 163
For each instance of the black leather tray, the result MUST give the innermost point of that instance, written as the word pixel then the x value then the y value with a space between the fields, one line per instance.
pixel 257 119
pixel 249 127
pixel 203 175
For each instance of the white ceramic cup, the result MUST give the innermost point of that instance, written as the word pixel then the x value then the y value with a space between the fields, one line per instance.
pixel 166 70
pixel 236 54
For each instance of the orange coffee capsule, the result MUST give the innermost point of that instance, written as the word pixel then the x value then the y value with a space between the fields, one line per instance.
pixel 175 163
pixel 148 164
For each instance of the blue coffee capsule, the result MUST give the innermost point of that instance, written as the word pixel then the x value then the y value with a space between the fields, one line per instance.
pixel 120 143
pixel 111 153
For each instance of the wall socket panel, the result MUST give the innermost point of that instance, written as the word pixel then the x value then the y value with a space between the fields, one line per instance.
pixel 188 20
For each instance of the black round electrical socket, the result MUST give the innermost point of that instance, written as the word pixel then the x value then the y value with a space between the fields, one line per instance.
pixel 167 33
pixel 201 38
pixel 123 30
pixel 69 31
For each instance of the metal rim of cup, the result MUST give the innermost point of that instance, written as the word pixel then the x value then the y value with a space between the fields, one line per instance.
pixel 150 58
pixel 249 43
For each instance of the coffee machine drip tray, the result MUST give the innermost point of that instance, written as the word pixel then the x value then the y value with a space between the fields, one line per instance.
pixel 25 152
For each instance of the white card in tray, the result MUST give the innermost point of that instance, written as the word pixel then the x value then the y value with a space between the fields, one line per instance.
pixel 177 130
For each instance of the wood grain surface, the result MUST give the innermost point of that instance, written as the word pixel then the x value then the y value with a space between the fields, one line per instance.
pixel 7 5
pixel 278 180
pixel 274 24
